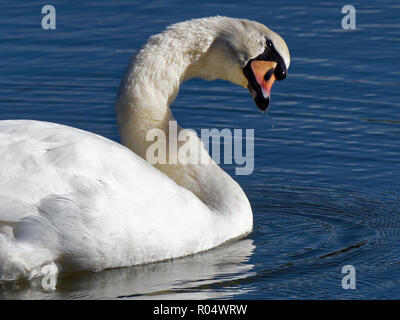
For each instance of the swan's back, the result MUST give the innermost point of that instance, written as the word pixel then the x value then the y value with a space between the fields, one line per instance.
pixel 41 159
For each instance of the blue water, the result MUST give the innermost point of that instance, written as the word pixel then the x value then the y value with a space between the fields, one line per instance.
pixel 325 190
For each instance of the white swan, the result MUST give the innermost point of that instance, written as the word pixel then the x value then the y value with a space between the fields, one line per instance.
pixel 72 199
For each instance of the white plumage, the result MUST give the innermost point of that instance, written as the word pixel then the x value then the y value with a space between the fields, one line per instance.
pixel 81 201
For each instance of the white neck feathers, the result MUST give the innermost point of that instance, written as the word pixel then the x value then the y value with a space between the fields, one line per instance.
pixel 151 83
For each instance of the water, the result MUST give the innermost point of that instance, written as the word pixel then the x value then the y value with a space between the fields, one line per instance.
pixel 325 190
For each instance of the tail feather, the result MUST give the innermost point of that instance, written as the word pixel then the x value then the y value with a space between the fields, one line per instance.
pixel 22 259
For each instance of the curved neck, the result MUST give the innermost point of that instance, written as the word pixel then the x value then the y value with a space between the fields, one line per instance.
pixel 151 83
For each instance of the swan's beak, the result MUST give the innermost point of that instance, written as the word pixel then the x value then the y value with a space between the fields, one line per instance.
pixel 264 75
pixel 261 75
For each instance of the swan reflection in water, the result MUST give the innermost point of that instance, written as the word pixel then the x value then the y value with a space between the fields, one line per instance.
pixel 194 277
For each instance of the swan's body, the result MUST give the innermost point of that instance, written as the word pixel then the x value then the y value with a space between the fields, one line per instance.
pixel 78 200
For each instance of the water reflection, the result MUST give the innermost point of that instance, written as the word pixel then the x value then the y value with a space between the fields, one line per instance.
pixel 214 274
pixel 382 120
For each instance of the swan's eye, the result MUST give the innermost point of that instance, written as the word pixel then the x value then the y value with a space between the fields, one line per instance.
pixel 269 43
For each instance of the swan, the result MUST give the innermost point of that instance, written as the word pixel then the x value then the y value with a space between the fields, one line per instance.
pixel 73 200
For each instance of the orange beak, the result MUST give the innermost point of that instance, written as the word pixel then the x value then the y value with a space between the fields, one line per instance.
pixel 264 74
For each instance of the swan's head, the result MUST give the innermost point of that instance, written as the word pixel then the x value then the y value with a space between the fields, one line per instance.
pixel 252 56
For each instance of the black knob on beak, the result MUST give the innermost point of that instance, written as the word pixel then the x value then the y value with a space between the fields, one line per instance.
pixel 280 71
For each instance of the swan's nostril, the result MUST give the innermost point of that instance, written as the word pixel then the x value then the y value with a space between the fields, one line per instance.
pixel 269 74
